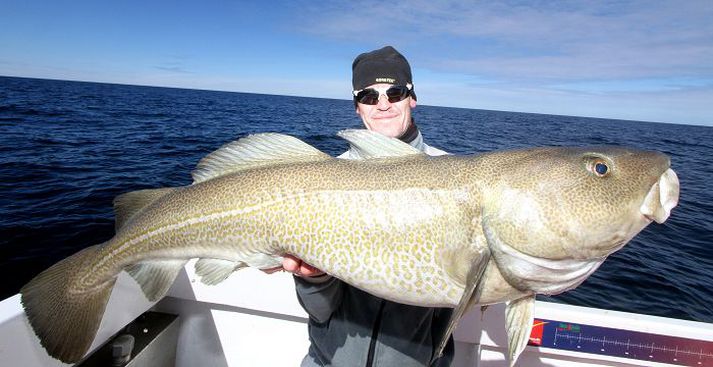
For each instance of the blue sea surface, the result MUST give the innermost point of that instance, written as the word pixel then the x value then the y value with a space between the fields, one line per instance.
pixel 68 148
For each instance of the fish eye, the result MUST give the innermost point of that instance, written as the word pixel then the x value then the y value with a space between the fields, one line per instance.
pixel 598 165
pixel 601 168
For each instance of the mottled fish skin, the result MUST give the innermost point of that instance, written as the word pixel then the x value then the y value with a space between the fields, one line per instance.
pixel 404 228
pixel 383 229
pixel 393 218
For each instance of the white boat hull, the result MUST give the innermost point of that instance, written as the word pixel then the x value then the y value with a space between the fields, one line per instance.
pixel 254 319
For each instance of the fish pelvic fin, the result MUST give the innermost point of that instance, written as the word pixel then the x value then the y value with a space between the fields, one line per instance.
pixel 519 315
pixel 127 205
pixel 370 144
pixel 254 151
pixel 470 293
pixel 155 276
pixel 64 314
pixel 214 271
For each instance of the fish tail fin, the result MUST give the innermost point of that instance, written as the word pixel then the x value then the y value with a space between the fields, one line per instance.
pixel 65 313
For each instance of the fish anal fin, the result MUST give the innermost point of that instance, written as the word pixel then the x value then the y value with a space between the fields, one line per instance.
pixel 214 271
pixel 254 151
pixel 519 315
pixel 128 204
pixel 471 292
pixel 155 276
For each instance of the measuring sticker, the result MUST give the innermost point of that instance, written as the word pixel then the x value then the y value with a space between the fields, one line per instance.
pixel 621 343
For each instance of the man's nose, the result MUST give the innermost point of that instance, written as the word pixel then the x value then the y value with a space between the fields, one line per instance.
pixel 384 103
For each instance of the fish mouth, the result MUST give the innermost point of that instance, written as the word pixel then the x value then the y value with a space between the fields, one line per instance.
pixel 661 198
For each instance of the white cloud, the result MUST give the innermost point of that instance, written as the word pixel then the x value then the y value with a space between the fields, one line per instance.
pixel 620 59
pixel 534 40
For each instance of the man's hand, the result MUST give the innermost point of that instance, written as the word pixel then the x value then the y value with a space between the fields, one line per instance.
pixel 297 267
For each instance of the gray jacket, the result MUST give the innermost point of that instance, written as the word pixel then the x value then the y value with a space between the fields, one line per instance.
pixel 349 327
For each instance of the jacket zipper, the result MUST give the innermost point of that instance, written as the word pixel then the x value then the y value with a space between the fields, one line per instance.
pixel 374 335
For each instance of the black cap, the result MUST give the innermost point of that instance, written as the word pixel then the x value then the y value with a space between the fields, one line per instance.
pixel 385 65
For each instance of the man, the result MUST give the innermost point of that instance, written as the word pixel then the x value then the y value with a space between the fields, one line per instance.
pixel 349 327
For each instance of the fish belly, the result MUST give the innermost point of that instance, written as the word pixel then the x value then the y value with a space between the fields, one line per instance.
pixel 395 244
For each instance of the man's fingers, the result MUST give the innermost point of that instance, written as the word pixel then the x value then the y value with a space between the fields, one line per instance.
pixel 295 266
pixel 291 263
pixel 272 270
pixel 308 270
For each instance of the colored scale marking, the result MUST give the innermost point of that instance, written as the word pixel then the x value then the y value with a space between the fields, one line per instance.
pixel 621 343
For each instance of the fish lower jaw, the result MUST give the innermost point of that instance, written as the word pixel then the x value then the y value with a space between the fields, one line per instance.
pixel 597 250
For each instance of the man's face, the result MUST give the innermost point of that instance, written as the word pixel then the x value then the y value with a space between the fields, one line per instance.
pixel 386 118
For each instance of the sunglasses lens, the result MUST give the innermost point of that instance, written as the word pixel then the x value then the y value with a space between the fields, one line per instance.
pixel 368 96
pixel 397 94
pixel 371 96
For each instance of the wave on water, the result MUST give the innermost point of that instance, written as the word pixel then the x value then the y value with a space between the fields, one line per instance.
pixel 68 148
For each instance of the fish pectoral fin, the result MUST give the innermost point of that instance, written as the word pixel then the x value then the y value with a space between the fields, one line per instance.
pixel 253 151
pixel 155 276
pixel 471 292
pixel 128 204
pixel 369 144
pixel 519 315
pixel 214 271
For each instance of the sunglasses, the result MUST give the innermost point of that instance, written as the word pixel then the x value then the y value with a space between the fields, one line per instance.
pixel 370 96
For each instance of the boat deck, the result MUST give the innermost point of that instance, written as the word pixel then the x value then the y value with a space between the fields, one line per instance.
pixel 254 319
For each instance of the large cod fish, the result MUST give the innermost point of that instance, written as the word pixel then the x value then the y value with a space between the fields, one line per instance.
pixel 448 231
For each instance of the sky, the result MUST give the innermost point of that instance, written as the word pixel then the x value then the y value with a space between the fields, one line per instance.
pixel 635 60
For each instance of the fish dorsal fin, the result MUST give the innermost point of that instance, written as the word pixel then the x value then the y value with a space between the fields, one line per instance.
pixel 128 204
pixel 253 151
pixel 370 144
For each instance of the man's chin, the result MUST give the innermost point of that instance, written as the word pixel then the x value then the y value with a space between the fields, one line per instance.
pixel 390 129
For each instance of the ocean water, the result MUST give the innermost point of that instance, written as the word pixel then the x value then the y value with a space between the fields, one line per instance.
pixel 68 148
